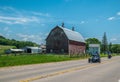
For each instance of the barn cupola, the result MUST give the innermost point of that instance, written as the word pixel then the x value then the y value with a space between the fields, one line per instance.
pixel 73 28
pixel 63 24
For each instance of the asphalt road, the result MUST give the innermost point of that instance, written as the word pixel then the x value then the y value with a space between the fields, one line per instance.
pixel 69 71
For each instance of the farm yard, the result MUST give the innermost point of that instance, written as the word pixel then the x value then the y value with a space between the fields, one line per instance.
pixel 72 47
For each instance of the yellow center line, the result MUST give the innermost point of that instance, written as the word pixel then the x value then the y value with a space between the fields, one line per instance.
pixel 63 71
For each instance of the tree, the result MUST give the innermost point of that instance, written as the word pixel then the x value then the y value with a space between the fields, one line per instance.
pixel 13 42
pixel 116 48
pixel 1 37
pixel 104 45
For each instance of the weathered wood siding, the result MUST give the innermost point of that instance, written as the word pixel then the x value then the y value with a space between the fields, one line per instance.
pixel 76 47
pixel 57 42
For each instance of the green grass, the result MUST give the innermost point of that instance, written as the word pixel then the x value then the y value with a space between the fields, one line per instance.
pixel 12 60
pixel 25 59
pixel 106 55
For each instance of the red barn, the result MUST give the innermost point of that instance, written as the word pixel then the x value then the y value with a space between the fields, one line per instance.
pixel 63 40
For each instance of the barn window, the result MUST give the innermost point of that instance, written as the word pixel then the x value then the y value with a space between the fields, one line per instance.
pixel 51 50
pixel 62 50
pixel 61 32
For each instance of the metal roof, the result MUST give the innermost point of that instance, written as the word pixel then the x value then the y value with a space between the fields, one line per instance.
pixel 73 35
pixel 94 45
pixel 33 47
pixel 17 50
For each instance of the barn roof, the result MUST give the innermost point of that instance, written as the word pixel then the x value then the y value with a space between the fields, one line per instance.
pixel 73 35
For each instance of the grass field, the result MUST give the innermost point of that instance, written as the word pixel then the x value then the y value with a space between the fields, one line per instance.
pixel 24 59
pixel 33 59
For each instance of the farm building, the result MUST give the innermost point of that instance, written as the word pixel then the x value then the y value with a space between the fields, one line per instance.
pixel 93 48
pixel 63 40
pixel 32 49
pixel 43 47
pixel 14 51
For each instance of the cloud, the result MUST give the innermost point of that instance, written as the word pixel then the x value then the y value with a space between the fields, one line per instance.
pixel 10 15
pixel 111 18
pixel 118 13
pixel 24 36
pixel 9 11
pixel 115 17
pixel 41 14
pixel 113 39
pixel 7 8
pixel 82 22
pixel 18 20
pixel 12 18
pixel 8 35
pixel 1 34
pixel 38 38
pixel 6 29
pixel 3 21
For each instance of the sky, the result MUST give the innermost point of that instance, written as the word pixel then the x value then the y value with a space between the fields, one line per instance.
pixel 32 20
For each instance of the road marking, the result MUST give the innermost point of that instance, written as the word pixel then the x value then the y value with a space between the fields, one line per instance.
pixel 64 71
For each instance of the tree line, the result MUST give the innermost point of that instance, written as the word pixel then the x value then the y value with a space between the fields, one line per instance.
pixel 104 45
pixel 17 44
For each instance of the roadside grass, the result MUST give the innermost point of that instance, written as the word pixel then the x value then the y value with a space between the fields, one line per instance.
pixel 25 59
pixel 106 55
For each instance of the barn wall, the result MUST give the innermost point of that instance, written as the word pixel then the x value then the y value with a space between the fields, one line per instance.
pixel 57 42
pixel 76 47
